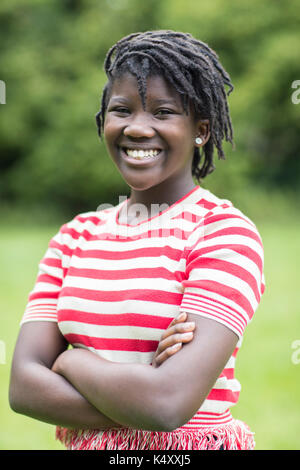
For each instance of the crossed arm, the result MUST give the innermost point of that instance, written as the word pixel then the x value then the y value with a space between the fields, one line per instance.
pixel 78 389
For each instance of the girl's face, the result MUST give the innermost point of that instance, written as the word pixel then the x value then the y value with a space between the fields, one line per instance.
pixel 155 144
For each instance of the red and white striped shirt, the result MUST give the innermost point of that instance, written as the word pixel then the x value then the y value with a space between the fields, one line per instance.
pixel 114 288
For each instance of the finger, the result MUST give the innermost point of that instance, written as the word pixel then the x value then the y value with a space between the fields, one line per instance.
pixel 167 353
pixel 174 339
pixel 178 328
pixel 178 319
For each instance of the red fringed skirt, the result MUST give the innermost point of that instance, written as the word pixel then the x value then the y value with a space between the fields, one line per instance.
pixel 231 435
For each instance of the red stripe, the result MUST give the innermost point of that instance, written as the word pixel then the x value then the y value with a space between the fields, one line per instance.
pixel 189 216
pixel 234 231
pixel 54 262
pixel 198 299
pixel 49 279
pixel 128 294
pixel 64 249
pixel 94 219
pixel 207 204
pixel 238 320
pixel 228 373
pixel 235 352
pixel 113 344
pixel 134 273
pixel 224 291
pixel 241 249
pixel 122 319
pixel 43 295
pixel 229 321
pixel 128 237
pixel 222 394
pixel 212 302
pixel 27 316
pixel 227 267
pixel 224 217
pixel 151 252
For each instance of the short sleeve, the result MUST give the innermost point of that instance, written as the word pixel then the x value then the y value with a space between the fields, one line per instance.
pixel 224 270
pixel 42 300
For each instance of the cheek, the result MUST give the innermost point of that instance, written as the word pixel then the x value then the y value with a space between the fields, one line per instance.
pixel 110 134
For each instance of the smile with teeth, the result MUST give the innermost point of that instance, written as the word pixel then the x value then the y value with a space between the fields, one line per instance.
pixel 139 153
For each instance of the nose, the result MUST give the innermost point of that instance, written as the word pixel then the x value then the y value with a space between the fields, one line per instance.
pixel 138 127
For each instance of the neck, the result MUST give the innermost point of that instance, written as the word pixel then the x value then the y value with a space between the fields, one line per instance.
pixel 157 198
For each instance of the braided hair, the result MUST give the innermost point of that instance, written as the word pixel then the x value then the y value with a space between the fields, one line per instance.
pixel 191 67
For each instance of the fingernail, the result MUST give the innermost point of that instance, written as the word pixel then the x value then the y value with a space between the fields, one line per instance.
pixel 189 325
pixel 176 346
pixel 181 315
pixel 187 335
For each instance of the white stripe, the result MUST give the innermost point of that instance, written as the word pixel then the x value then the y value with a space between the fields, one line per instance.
pixel 236 327
pixel 227 384
pixel 46 287
pixel 231 240
pixel 232 321
pixel 30 318
pixel 131 263
pixel 37 302
pixel 41 309
pixel 122 356
pixel 227 279
pixel 50 270
pixel 114 285
pixel 114 331
pixel 124 306
pixel 230 220
pixel 211 306
pixel 53 253
pixel 213 297
pixel 215 406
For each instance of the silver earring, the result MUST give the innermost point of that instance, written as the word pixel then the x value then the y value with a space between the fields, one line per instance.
pixel 198 140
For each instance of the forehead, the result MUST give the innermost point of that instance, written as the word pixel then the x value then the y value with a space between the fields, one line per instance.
pixel 157 88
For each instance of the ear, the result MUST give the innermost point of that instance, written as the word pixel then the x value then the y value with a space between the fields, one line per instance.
pixel 202 132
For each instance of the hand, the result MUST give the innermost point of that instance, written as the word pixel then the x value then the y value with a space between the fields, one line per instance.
pixel 178 332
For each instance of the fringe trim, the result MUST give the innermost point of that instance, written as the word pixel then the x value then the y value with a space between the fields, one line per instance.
pixel 235 435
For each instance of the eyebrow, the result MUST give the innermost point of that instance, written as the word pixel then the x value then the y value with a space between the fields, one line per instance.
pixel 165 101
pixel 157 101
pixel 119 98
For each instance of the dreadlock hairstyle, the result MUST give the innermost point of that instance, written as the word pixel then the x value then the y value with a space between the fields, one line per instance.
pixel 191 67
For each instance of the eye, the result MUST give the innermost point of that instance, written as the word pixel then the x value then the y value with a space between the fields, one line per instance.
pixel 164 112
pixel 119 109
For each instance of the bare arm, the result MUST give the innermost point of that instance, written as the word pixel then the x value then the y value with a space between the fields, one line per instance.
pixel 38 392
pixel 154 398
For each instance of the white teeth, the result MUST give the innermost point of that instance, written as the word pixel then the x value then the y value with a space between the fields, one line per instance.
pixel 139 154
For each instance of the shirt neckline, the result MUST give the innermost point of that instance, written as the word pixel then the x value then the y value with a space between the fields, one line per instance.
pixel 124 203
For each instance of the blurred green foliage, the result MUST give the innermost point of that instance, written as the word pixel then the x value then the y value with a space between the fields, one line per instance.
pixel 51 59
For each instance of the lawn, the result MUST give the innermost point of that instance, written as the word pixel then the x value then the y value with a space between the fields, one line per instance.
pixel 270 398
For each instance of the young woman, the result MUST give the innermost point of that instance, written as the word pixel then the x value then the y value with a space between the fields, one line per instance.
pixel 155 293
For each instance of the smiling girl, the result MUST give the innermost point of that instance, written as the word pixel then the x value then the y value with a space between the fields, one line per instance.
pixel 155 293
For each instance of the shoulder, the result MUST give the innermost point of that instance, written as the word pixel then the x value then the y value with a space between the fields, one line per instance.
pixel 87 220
pixel 83 225
pixel 226 230
pixel 220 214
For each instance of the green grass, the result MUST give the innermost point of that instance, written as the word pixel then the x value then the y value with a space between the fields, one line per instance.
pixel 270 398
